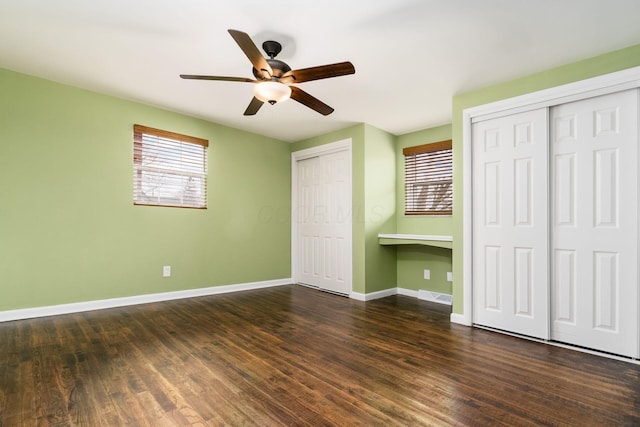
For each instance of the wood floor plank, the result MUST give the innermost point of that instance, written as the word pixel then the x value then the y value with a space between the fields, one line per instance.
pixel 295 356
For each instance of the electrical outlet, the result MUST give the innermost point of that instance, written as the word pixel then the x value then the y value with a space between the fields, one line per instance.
pixel 427 274
pixel 166 271
pixel 449 276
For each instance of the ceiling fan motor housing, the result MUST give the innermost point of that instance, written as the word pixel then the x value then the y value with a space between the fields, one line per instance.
pixel 272 49
pixel 278 67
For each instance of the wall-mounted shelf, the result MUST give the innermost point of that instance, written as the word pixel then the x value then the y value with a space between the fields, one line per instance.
pixel 416 239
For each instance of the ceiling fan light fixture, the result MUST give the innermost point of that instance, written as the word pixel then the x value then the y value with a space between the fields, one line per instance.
pixel 271 92
pixel 273 76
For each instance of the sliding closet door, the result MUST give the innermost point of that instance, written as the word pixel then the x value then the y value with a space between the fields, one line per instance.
pixel 510 228
pixel 308 229
pixel 324 217
pixel 595 223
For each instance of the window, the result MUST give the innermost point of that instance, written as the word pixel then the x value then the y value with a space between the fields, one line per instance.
pixel 428 173
pixel 169 169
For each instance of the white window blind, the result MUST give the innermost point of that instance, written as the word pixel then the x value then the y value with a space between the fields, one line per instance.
pixel 428 172
pixel 169 169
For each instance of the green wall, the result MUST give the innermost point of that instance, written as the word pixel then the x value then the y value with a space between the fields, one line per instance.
pixel 412 260
pixel 380 208
pixel 68 226
pixel 603 64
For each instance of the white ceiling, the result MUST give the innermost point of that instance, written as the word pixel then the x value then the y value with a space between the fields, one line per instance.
pixel 411 56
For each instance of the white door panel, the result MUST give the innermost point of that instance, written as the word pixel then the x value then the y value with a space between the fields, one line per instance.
pixel 510 223
pixel 324 215
pixel 308 191
pixel 594 217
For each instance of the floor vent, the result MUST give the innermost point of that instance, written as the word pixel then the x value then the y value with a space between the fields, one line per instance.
pixel 434 297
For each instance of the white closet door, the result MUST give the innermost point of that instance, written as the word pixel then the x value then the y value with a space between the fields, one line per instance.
pixel 595 223
pixel 510 226
pixel 324 215
pixel 309 188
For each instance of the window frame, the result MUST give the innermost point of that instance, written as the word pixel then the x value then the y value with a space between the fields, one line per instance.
pixel 174 141
pixel 424 156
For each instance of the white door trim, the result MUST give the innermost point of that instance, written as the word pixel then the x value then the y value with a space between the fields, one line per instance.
pixel 608 83
pixel 296 156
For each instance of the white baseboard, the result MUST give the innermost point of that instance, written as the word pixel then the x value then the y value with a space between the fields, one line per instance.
pixel 407 292
pixel 424 295
pixel 53 310
pixel 373 295
pixel 460 319
pixel 358 296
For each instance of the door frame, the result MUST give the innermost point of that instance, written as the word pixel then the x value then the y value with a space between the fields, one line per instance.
pixel 600 85
pixel 296 156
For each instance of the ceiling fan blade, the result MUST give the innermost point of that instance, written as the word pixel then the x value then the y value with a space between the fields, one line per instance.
pixel 226 79
pixel 320 72
pixel 253 107
pixel 249 48
pixel 312 102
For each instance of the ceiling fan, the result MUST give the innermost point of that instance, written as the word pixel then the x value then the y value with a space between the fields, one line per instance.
pixel 274 77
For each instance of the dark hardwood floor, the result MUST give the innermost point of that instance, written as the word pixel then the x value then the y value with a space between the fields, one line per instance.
pixel 295 356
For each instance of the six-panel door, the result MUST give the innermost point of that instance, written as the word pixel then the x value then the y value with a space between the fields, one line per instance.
pixel 594 298
pixel 510 208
